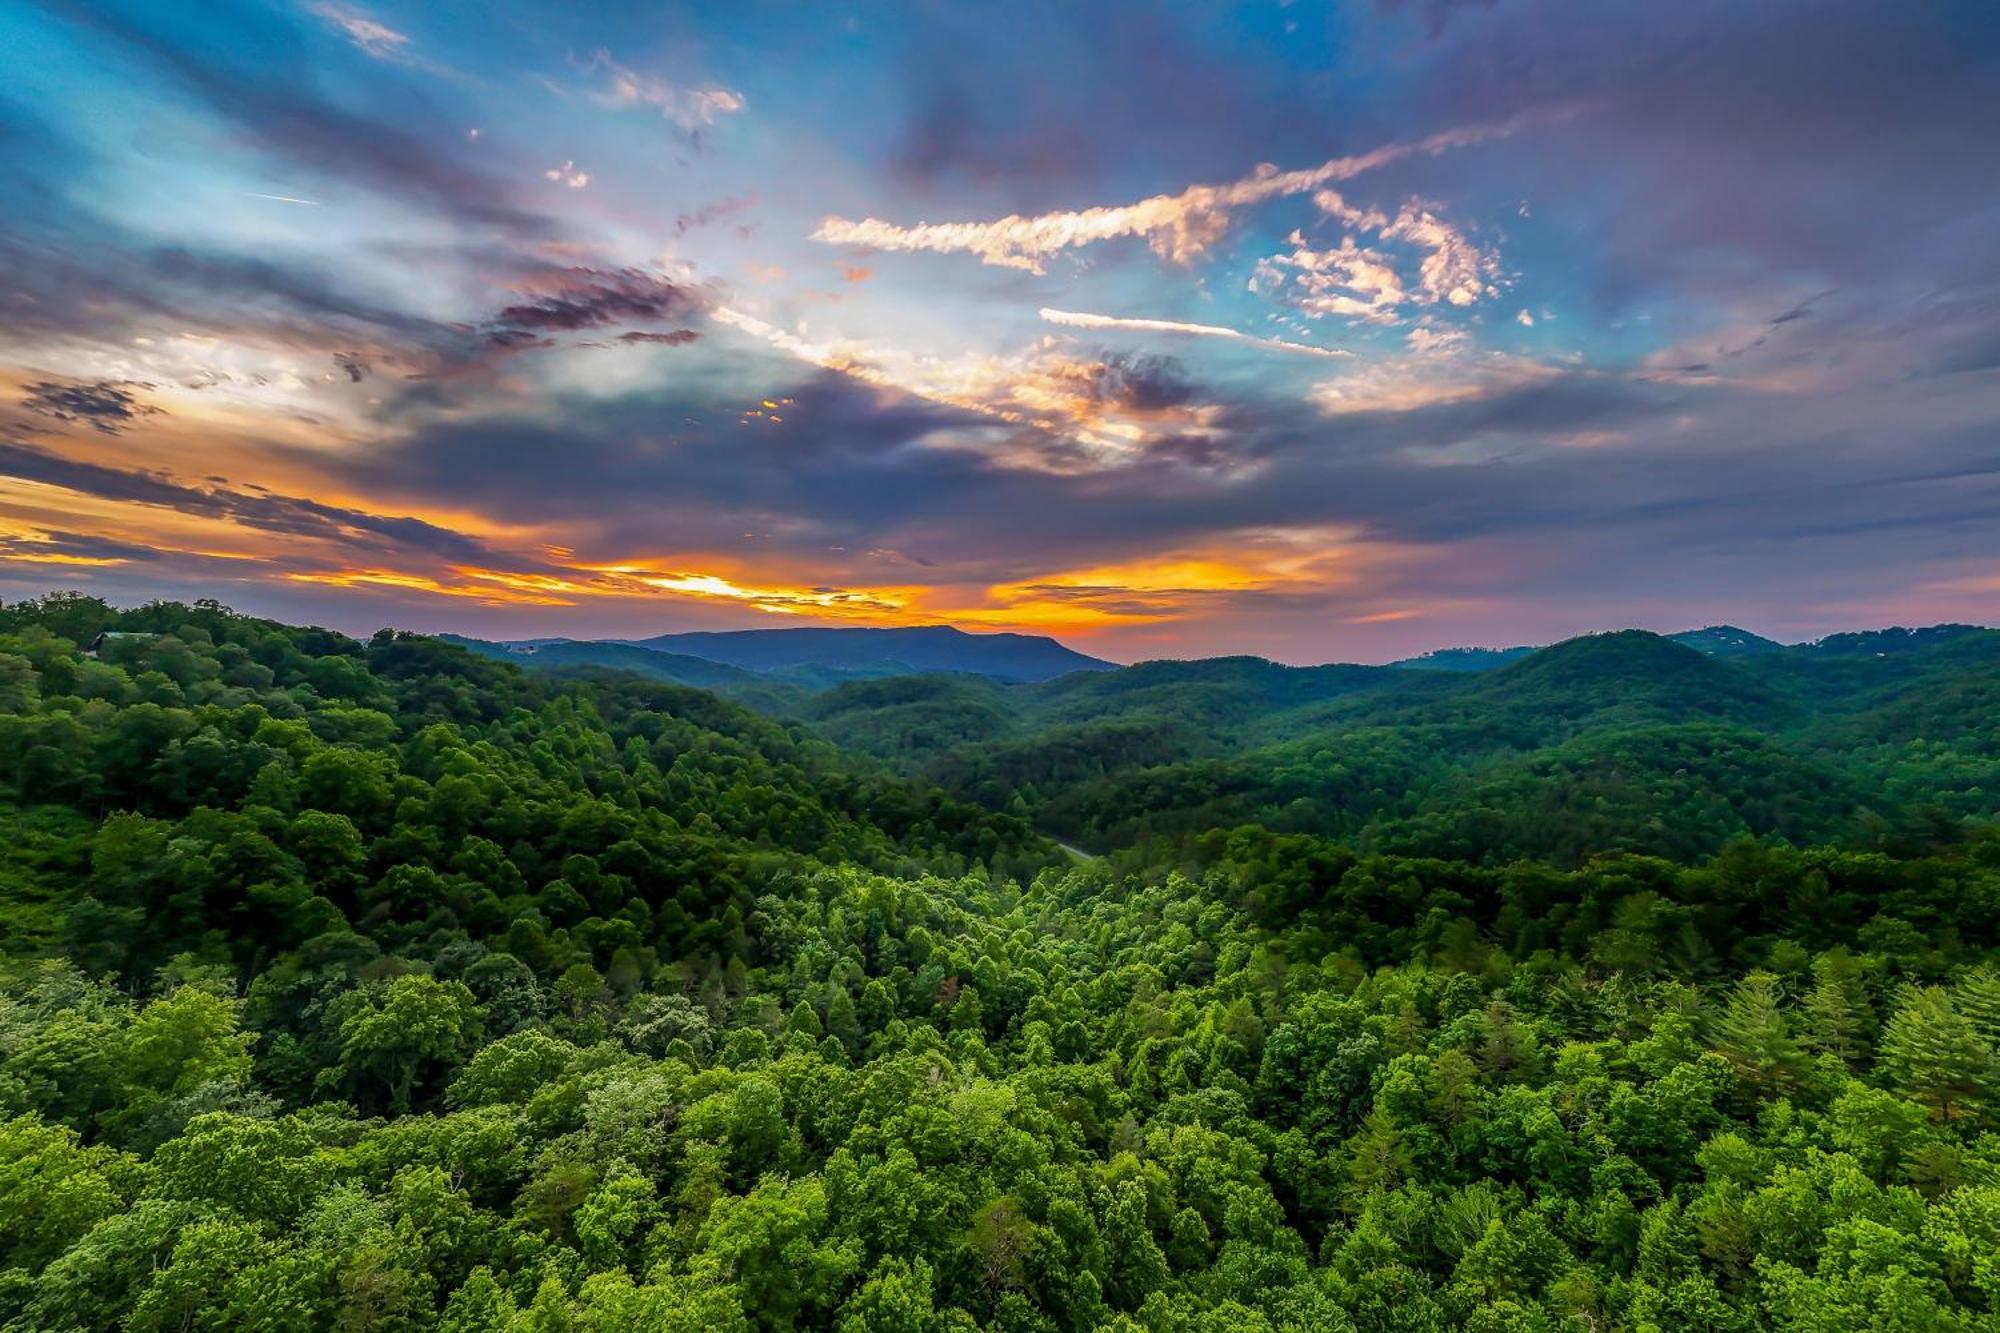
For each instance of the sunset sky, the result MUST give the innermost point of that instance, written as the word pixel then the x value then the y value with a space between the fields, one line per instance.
pixel 1320 332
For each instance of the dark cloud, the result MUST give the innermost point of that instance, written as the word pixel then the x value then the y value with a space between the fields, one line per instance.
pixel 671 338
pixel 81 546
pixel 573 299
pixel 108 405
pixel 1139 383
pixel 282 514
pixel 352 365
pixel 506 342
pixel 710 213
pixel 1802 310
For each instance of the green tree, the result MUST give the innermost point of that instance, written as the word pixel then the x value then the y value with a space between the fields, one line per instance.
pixel 403 1036
pixel 1935 1053
pixel 1753 1035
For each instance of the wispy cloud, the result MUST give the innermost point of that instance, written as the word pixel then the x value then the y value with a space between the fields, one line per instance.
pixel 689 108
pixel 714 212
pixel 1078 319
pixel 1179 227
pixel 368 33
pixel 1437 376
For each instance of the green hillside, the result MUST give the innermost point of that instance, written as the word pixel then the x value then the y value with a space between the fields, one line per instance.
pixel 1726 641
pixel 1672 750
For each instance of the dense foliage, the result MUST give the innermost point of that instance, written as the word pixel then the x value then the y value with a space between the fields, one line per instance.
pixel 378 986
pixel 1623 741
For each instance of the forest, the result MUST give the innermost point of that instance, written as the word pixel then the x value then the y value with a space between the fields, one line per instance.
pixel 382 985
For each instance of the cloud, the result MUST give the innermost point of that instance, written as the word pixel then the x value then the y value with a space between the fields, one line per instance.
pixel 107 405
pixel 1178 227
pixel 1454 270
pixel 1433 378
pixel 1347 280
pixel 76 549
pixel 690 108
pixel 672 338
pixel 567 174
pixel 1081 320
pixel 366 32
pixel 285 515
pixel 710 213
pixel 1803 309
pixel 570 299
pixel 1429 338
pixel 1362 282
pixel 568 584
pixel 1084 411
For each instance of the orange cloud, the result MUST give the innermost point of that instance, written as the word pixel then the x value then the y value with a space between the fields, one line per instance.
pixel 389 578
pixel 1139 592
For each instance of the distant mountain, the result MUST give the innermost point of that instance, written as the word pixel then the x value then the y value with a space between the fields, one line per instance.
pixel 1009 657
pixel 552 654
pixel 1726 641
pixel 1714 641
pixel 1463 659
pixel 1630 672
pixel 1890 642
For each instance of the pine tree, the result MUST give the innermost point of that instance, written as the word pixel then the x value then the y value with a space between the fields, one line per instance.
pixel 1977 996
pixel 1837 1012
pixel 1934 1053
pixel 1752 1035
pixel 1505 1048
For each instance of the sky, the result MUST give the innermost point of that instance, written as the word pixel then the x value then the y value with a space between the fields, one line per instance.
pixel 1322 332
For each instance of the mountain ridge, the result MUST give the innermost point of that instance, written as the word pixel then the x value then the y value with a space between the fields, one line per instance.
pixel 1721 640
pixel 814 656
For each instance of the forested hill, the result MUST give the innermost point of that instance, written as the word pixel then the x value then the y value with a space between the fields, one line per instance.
pixel 1625 741
pixel 378 985
pixel 259 781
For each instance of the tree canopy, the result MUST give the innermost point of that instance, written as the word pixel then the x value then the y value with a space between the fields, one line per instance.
pixel 382 986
